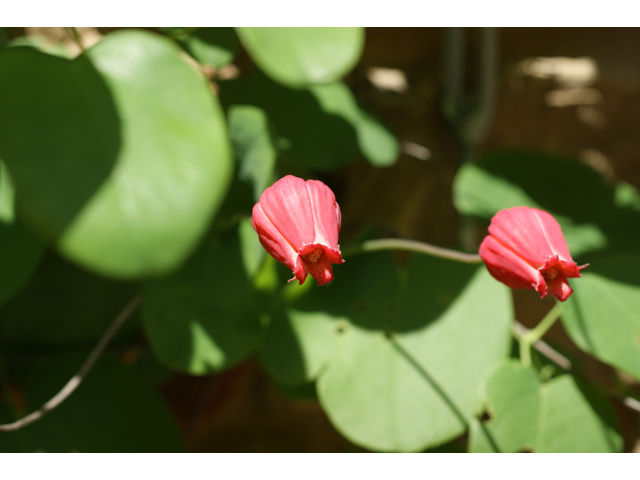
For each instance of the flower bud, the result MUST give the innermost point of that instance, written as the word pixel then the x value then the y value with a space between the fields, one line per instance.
pixel 525 249
pixel 298 224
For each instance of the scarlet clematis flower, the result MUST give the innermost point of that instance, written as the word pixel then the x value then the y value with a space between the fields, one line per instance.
pixel 298 224
pixel 525 248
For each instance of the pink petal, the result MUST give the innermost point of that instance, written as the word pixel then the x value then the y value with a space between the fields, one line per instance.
pixel 272 240
pixel 326 214
pixel 507 267
pixel 286 203
pixel 533 234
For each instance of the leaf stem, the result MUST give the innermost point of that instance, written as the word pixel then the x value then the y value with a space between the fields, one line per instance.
pixel 420 247
pixel 532 336
pixel 75 381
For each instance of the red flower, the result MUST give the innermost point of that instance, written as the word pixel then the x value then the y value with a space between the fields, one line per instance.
pixel 298 224
pixel 526 249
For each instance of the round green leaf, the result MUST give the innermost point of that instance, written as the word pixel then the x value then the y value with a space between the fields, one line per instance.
pixel 398 356
pixel 573 418
pixel 301 56
pixel 602 316
pixel 113 410
pixel 512 392
pixel 203 318
pixel 132 157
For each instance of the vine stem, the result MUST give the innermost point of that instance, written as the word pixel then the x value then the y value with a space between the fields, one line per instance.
pixel 77 379
pixel 532 336
pixel 421 247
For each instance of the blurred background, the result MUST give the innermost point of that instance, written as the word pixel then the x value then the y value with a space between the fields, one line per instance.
pixel 448 96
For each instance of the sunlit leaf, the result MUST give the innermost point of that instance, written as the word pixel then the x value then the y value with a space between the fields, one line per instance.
pixel 513 396
pixel 203 318
pixel 603 314
pixel 398 357
pixel 575 419
pixel 252 146
pixel 298 56
pixel 131 157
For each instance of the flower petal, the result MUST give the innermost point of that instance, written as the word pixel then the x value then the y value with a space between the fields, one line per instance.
pixel 507 267
pixel 533 234
pixel 272 240
pixel 326 214
pixel 286 203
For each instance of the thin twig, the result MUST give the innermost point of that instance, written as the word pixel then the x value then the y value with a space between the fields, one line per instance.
pixel 75 381
pixel 414 246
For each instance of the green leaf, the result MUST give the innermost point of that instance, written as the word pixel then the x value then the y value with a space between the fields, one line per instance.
pixel 573 418
pixel 321 127
pixel 513 395
pixel 113 410
pixel 301 56
pixel 132 158
pixel 62 307
pixel 376 143
pixel 215 46
pixel 574 193
pixel 398 357
pixel 252 146
pixel 203 318
pixel 602 316
pixel 20 253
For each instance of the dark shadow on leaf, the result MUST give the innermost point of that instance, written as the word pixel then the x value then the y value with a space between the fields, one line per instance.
pixel 569 189
pixel 309 137
pixel 208 301
pixel 59 134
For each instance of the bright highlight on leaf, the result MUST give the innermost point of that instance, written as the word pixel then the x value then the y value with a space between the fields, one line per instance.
pixel 300 56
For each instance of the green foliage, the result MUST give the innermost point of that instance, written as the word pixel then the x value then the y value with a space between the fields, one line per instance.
pixel 576 195
pixel 150 162
pixel 252 146
pixel 64 307
pixel 204 318
pixel 301 56
pixel 214 46
pixel 120 162
pixel 319 127
pixel 114 410
pixel 603 314
pixel 397 356
pixel 562 415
